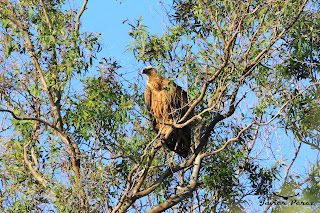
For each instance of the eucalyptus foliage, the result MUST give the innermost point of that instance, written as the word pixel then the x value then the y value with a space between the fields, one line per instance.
pixel 72 141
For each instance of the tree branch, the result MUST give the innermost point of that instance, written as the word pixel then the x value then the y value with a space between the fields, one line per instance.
pixel 46 15
pixel 35 174
pixel 79 16
pixel 184 192
pixel 39 120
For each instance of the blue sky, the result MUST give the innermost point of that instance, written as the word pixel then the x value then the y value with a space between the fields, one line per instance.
pixel 107 17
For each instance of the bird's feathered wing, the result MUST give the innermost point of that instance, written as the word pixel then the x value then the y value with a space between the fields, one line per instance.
pixel 148 102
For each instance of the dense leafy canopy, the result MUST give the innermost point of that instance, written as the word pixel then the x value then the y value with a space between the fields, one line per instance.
pixel 72 141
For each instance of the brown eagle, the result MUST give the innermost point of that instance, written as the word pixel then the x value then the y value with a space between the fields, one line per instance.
pixel 167 103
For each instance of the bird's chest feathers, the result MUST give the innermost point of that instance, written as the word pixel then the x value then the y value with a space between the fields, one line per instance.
pixel 159 102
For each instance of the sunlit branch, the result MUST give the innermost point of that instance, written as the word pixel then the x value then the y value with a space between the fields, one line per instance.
pixel 184 191
pixel 36 119
pixel 145 170
pixel 258 123
pixel 79 15
pixel 36 173
pixel 229 141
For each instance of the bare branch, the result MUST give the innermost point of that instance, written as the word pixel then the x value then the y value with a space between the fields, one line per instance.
pixel 229 141
pixel 184 192
pixel 79 15
pixel 39 120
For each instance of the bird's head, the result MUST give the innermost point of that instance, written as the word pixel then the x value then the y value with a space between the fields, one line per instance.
pixel 149 71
